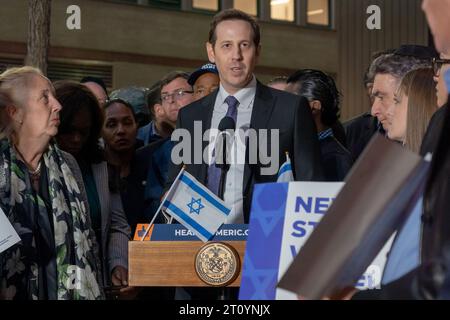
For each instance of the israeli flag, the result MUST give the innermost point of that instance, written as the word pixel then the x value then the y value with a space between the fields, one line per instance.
pixel 195 206
pixel 285 173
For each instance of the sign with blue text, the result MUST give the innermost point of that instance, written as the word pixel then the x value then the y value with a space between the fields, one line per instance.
pixel 178 232
pixel 283 216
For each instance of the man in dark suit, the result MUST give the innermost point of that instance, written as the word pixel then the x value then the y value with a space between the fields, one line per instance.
pixel 234 46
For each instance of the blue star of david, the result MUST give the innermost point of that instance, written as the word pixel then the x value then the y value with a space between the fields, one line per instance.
pixel 199 207
pixel 263 281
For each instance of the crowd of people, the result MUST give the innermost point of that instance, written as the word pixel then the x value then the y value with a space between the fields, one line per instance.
pixel 81 167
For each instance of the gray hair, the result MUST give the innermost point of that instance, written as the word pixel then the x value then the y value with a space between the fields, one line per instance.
pixel 14 84
pixel 369 76
pixel 396 65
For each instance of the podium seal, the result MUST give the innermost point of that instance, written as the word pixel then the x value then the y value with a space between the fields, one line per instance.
pixel 217 264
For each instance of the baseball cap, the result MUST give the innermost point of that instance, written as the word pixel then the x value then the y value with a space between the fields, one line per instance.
pixel 209 67
pixel 135 96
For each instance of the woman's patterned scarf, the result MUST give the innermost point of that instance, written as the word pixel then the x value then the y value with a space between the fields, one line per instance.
pixel 77 263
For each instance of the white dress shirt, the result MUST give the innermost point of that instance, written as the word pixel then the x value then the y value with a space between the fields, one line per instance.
pixel 235 175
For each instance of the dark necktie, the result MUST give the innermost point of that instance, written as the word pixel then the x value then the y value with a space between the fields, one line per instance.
pixel 213 171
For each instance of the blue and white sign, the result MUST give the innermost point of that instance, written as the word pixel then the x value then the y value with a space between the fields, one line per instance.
pixel 283 217
pixel 178 232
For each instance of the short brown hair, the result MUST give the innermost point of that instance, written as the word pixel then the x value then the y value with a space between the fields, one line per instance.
pixel 233 14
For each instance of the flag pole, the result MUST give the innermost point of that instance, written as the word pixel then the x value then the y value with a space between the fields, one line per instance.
pixel 162 203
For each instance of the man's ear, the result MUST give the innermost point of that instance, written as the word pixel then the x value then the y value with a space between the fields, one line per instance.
pixel 210 51
pixel 316 106
pixel 13 113
pixel 11 110
pixel 158 109
pixel 257 53
pixel 258 50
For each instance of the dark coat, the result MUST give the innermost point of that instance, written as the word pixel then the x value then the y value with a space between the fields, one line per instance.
pixel 337 160
pixel 359 131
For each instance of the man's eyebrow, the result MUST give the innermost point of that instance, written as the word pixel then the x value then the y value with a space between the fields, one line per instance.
pixel 174 90
pixel 377 93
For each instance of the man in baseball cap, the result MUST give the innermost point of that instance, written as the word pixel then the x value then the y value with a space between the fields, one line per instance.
pixel 204 80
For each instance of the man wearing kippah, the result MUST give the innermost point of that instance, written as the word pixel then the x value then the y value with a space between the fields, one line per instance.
pixel 383 78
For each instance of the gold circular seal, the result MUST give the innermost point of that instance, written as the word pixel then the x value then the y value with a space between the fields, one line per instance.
pixel 217 264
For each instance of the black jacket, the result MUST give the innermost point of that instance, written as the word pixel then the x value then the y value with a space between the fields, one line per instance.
pixel 359 131
pixel 337 160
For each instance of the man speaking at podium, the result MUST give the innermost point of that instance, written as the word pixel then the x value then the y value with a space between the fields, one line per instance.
pixel 250 107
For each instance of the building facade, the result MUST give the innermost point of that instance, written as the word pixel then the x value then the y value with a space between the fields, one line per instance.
pixel 136 42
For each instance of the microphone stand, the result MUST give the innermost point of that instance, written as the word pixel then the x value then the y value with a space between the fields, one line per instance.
pixel 224 167
pixel 227 123
pixel 223 180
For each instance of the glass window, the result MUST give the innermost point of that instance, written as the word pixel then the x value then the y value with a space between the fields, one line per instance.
pixel 212 5
pixel 282 10
pixel 318 12
pixel 248 6
pixel 175 4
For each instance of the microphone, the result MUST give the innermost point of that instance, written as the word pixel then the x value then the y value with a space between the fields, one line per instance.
pixel 226 124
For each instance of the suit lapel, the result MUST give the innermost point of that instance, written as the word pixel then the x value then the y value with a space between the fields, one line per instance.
pixel 262 107
pixel 205 114
pixel 261 113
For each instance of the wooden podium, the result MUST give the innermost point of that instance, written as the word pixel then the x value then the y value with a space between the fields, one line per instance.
pixel 170 263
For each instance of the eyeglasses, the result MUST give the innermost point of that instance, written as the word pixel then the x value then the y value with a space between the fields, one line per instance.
pixel 437 65
pixel 176 95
